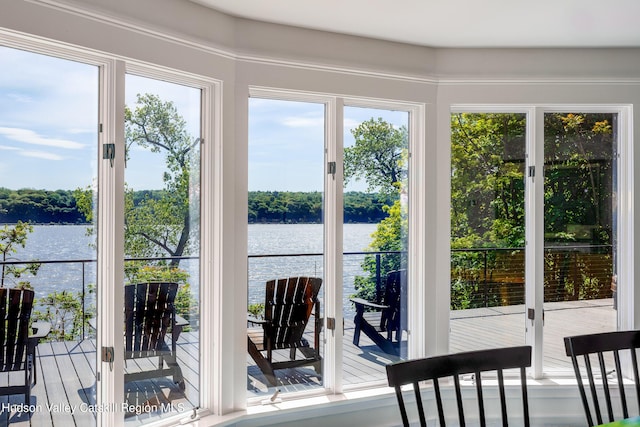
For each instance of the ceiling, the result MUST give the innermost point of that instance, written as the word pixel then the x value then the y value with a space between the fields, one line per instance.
pixel 457 23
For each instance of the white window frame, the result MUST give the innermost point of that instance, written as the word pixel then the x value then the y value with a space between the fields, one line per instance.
pixel 211 388
pixel 110 269
pixel 534 202
pixel 333 226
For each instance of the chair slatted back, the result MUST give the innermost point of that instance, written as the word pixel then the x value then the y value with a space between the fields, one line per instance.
pixel 149 313
pixel 455 365
pixel 15 311
pixel 288 305
pixel 606 348
pixel 391 319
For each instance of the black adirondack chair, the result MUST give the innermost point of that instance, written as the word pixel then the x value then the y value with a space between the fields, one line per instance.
pixel 384 320
pixel 455 365
pixel 150 315
pixel 19 339
pixel 289 304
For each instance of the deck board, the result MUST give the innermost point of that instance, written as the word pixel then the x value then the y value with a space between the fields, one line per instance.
pixel 66 371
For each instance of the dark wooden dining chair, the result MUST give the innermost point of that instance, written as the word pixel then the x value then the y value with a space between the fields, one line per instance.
pixel 453 366
pixel 150 315
pixel 604 349
pixel 19 339
pixel 289 304
pixel 383 320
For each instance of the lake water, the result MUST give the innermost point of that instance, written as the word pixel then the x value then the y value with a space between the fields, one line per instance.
pixel 70 242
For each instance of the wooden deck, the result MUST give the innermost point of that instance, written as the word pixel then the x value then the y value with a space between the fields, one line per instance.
pixel 66 370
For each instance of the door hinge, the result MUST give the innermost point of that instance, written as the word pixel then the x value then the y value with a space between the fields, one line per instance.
pixel 109 152
pixel 331 323
pixel 331 168
pixel 108 355
pixel 531 314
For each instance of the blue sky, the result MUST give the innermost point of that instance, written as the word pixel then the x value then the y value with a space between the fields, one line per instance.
pixel 49 121
pixel 286 143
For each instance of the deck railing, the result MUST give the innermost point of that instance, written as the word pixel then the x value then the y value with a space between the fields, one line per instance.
pixel 489 277
pixel 482 277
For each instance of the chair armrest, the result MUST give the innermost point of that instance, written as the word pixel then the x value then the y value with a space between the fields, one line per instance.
pixel 181 321
pixel 365 303
pixel 40 329
pixel 256 321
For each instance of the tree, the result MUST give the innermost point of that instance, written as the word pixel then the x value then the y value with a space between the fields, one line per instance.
pixel 10 239
pixel 156 227
pixel 378 156
pixel 487 173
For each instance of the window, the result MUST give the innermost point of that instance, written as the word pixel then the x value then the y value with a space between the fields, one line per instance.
pixel 533 229
pixel 297 166
pixel 61 167
pixel 48 217
pixel 162 245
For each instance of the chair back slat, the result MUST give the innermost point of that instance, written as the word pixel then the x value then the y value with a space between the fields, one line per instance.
pixel 289 303
pixel 636 377
pixel 455 365
pixel 525 397
pixel 436 389
pixel 16 306
pixel 391 318
pixel 149 313
pixel 503 398
pixel 625 411
pixel 480 399
pixel 608 348
pixel 605 384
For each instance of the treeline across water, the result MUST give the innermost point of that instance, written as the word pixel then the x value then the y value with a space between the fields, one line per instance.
pixel 59 207
pixel 302 207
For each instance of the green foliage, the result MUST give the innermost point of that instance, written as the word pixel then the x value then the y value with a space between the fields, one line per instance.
pixel 390 236
pixel 64 311
pixel 300 207
pixel 161 226
pixel 379 156
pixel 39 206
pixel 256 310
pixel 487 180
pixel 10 239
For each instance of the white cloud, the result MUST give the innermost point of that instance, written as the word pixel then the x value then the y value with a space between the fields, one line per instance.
pixel 351 123
pixel 298 122
pixel 30 137
pixel 20 98
pixel 41 155
pixel 8 148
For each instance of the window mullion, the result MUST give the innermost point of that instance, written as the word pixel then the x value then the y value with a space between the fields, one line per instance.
pixel 534 236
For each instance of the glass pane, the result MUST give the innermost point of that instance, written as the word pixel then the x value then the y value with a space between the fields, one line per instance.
pixel 375 242
pixel 48 186
pixel 162 247
pixel 579 229
pixel 487 230
pixel 286 240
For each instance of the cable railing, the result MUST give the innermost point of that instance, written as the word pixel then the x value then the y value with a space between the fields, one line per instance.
pixel 490 277
pixel 480 277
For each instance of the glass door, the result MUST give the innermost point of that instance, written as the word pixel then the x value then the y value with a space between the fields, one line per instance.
pixel 579 229
pixel 286 248
pixel 487 230
pixel 162 245
pixel 375 235
pixel 48 218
